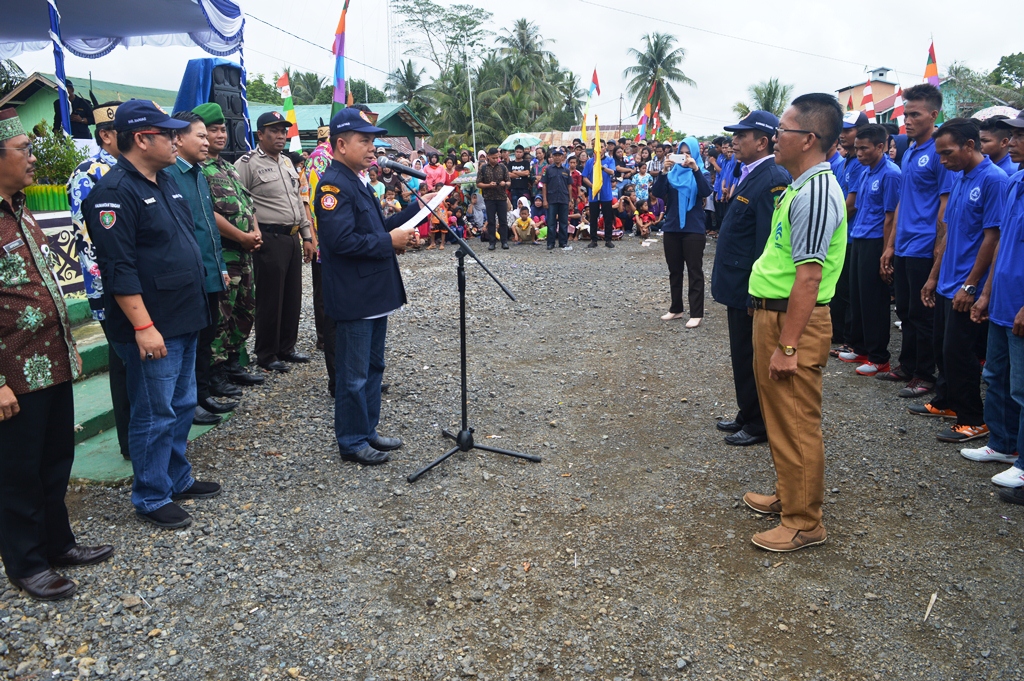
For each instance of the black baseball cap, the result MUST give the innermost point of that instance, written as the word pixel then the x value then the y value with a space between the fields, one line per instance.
pixel 1017 122
pixel 142 113
pixel 271 118
pixel 764 121
pixel 354 120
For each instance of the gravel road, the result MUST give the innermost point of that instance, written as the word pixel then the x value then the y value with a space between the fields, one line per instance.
pixel 625 554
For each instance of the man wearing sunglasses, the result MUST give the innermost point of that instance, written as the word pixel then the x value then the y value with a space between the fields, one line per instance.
pixel 155 298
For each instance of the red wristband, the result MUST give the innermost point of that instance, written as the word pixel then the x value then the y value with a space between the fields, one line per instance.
pixel 144 326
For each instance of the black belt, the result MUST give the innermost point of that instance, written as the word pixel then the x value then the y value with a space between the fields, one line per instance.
pixel 287 230
pixel 775 304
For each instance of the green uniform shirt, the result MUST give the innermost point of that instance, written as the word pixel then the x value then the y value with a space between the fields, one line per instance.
pixel 232 200
pixel 808 225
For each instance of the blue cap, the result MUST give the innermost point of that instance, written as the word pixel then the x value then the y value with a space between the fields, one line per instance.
pixel 764 121
pixel 142 113
pixel 854 119
pixel 354 120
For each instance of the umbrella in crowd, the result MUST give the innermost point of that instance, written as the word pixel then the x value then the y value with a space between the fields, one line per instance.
pixel 991 111
pixel 519 138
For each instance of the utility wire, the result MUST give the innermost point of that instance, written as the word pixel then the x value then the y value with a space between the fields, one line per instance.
pixel 310 42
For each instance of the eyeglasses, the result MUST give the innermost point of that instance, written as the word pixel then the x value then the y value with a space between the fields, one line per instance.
pixel 27 149
pixel 779 131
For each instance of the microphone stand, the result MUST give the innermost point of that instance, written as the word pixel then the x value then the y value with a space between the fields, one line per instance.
pixel 464 438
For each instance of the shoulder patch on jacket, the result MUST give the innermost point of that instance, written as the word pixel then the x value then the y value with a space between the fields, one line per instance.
pixel 330 188
pixel 742 199
pixel 245 158
pixel 328 202
pixel 780 188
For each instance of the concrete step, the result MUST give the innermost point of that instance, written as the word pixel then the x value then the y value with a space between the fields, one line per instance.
pixel 94 411
pixel 99 460
pixel 78 311
pixel 92 346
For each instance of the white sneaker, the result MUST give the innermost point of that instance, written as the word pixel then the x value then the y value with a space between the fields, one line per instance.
pixel 987 454
pixel 566 248
pixel 851 357
pixel 1013 477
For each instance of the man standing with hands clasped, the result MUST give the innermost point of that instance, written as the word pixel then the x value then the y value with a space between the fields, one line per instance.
pixel 361 282
pixel 790 287
pixel 492 179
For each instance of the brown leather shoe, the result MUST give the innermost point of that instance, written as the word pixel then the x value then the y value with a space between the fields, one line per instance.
pixel 47 585
pixel 783 539
pixel 763 503
pixel 83 555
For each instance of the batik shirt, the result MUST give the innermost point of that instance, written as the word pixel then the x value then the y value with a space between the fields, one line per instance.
pixel 36 347
pixel 81 182
pixel 316 166
pixel 232 200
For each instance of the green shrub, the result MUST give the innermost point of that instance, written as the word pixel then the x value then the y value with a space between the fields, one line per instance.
pixel 56 157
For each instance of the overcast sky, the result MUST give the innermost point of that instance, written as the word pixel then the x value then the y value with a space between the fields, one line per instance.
pixel 837 44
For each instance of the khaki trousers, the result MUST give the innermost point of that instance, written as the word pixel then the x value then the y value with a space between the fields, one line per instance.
pixel 792 414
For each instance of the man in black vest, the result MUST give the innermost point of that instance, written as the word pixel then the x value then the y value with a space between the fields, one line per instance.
pixel 741 239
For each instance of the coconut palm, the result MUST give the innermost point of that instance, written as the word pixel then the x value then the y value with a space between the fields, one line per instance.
pixel 523 41
pixel 406 85
pixel 307 87
pixel 658 64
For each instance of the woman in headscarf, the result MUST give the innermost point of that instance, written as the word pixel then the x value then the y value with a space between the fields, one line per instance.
pixel 683 187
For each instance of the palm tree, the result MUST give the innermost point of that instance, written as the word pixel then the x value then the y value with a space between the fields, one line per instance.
pixel 11 76
pixel 770 95
pixel 659 64
pixel 523 41
pixel 406 85
pixel 741 109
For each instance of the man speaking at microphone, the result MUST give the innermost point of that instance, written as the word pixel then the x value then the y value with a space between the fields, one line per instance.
pixel 361 283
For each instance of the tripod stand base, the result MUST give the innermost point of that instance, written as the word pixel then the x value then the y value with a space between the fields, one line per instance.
pixel 464 443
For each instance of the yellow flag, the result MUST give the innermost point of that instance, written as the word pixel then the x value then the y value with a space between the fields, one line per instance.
pixel 598 178
pixel 585 122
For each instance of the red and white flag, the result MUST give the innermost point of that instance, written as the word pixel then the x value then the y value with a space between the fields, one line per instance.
pixel 868 103
pixel 898 114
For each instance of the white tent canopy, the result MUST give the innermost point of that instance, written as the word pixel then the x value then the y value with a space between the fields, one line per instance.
pixel 92 28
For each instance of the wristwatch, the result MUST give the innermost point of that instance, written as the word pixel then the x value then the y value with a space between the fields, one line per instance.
pixel 308 239
pixel 787 350
pixel 969 289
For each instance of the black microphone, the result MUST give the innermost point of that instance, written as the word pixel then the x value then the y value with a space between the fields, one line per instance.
pixel 399 168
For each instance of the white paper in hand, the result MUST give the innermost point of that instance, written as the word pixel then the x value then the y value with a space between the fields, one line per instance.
pixel 441 195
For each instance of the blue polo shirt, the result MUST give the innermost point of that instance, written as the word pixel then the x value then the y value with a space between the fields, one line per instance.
pixel 975 204
pixel 920 188
pixel 853 174
pixel 1007 272
pixel 837 162
pixel 726 176
pixel 717 188
pixel 879 194
pixel 606 184
pixel 1007 164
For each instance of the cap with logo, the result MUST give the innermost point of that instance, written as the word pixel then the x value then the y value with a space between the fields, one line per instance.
pixel 756 120
pixel 211 113
pixel 559 151
pixel 854 119
pixel 354 120
pixel 142 113
pixel 271 118
pixel 104 115
pixel 1017 122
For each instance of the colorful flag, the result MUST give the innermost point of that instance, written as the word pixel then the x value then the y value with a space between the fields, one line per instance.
pixel 867 102
pixel 289 112
pixel 598 178
pixel 657 119
pixel 931 70
pixel 898 113
pixel 849 103
pixel 340 100
pixel 594 85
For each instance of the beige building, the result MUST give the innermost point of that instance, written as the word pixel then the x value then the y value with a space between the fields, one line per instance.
pixel 881 87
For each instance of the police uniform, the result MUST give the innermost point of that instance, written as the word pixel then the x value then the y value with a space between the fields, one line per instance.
pixel 362 285
pixel 742 234
pixel 145 245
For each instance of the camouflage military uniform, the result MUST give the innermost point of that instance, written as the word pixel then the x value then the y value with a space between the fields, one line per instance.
pixel 238 306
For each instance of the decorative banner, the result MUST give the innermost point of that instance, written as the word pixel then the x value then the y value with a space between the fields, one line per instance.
pixel 931 69
pixel 340 100
pixel 657 119
pixel 289 112
pixel 598 177
pixel 898 113
pixel 58 60
pixel 868 102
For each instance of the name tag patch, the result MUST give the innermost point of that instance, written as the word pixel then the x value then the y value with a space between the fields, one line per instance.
pixel 330 188
pixel 14 245
pixel 150 201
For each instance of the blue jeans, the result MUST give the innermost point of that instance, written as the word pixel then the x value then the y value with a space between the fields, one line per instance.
pixel 359 368
pixel 1004 375
pixel 558 224
pixel 162 394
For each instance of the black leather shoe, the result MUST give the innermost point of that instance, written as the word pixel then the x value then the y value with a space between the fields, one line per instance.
pixel 504 247
pixel 386 444
pixel 239 376
pixel 593 244
pixel 742 438
pixel 170 516
pixel 198 490
pixel 293 357
pixel 367 456
pixel 205 418
pixel 1013 495
pixel 47 585
pixel 214 407
pixel 384 387
pixel 729 426
pixel 551 247
pixel 276 366
pixel 490 247
pixel 220 386
pixel 83 555
pixel 609 244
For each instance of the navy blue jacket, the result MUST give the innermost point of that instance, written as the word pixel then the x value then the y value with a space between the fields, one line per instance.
pixel 360 270
pixel 744 232
pixel 145 245
pixel 695 220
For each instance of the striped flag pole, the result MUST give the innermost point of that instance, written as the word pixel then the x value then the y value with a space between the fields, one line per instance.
pixel 867 101
pixel 295 144
pixel 898 113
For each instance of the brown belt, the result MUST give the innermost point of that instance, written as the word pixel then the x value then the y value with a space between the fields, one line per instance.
pixel 775 304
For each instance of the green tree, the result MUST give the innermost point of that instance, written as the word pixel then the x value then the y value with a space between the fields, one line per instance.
pixel 10 76
pixel 309 88
pixel 362 92
pixel 442 34
pixel 767 95
pixel 658 64
pixel 259 91
pixel 406 84
pixel 1009 72
pixel 971 90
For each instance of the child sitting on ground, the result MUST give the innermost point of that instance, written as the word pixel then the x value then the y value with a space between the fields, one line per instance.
pixel 643 219
pixel 390 204
pixel 539 213
pixel 583 229
pixel 525 227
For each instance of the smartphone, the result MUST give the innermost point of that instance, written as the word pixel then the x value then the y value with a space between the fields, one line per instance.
pixel 678 158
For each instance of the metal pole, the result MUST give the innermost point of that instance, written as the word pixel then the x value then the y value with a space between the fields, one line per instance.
pixel 472 116
pixel 620 113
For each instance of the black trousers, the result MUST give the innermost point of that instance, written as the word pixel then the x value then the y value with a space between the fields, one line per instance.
pixel 959 386
pixel 917 354
pixel 330 339
pixel 118 376
pixel 597 210
pixel 318 302
pixel 496 218
pixel 839 307
pixel 686 250
pixel 204 353
pixel 278 270
pixel 741 348
pixel 869 301
pixel 37 448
